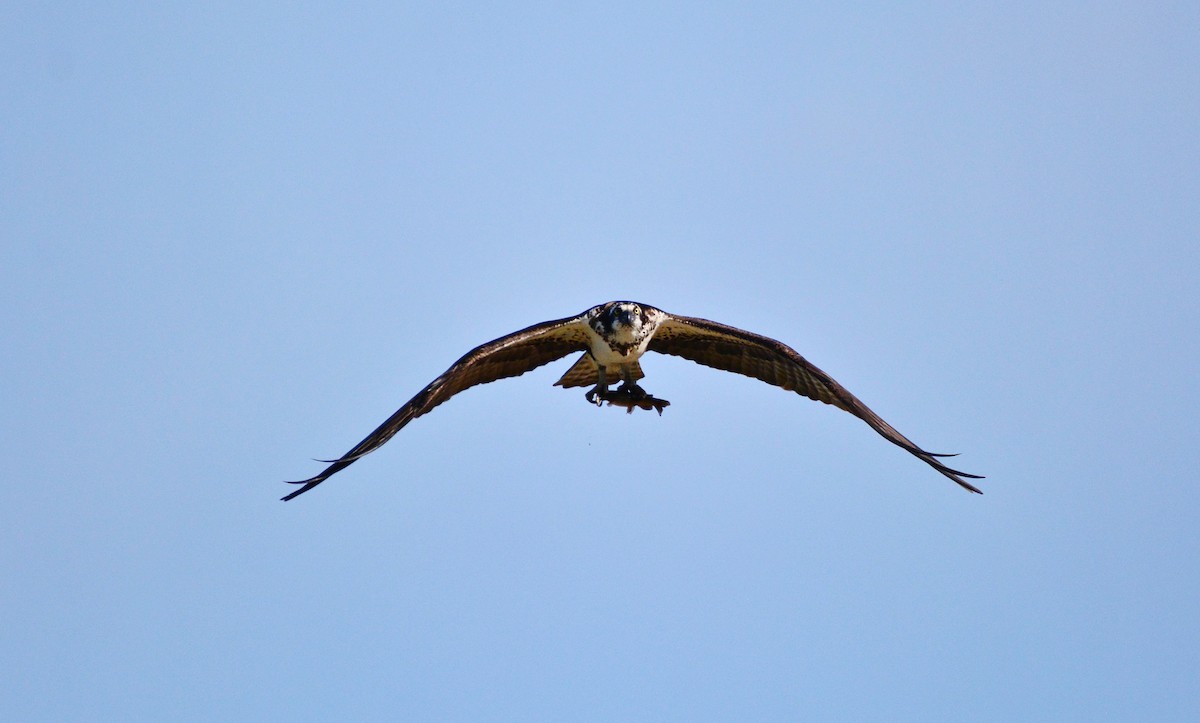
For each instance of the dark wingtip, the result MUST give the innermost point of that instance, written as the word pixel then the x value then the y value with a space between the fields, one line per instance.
pixel 958 477
pixel 928 458
pixel 308 485
pixel 299 492
pixel 347 458
pixel 957 473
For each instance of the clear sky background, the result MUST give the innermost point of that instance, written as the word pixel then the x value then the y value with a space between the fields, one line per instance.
pixel 238 237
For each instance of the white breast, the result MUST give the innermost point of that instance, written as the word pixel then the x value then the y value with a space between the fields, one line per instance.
pixel 609 357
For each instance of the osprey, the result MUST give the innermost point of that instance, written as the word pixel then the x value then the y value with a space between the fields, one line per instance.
pixel 612 338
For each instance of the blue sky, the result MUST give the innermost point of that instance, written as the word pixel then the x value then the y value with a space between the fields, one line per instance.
pixel 236 238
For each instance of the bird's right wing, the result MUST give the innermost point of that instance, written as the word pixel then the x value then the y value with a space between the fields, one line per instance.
pixel 508 356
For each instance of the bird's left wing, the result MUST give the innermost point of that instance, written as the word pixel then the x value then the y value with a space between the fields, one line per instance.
pixel 508 356
pixel 736 350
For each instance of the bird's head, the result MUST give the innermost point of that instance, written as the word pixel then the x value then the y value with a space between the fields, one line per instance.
pixel 624 319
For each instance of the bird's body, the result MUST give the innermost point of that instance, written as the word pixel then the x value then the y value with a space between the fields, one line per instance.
pixel 612 338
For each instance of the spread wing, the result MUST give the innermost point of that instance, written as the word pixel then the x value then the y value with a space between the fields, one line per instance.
pixel 735 350
pixel 508 356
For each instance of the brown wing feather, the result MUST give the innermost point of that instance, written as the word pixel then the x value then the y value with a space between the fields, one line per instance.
pixel 736 350
pixel 508 356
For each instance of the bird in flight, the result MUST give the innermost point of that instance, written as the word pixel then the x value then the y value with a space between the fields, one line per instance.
pixel 612 338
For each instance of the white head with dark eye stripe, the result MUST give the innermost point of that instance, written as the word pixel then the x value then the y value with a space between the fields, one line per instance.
pixel 622 321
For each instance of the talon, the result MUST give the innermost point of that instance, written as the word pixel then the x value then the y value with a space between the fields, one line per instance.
pixel 598 395
pixel 633 391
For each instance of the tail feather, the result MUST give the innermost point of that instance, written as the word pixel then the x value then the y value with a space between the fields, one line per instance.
pixel 584 373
